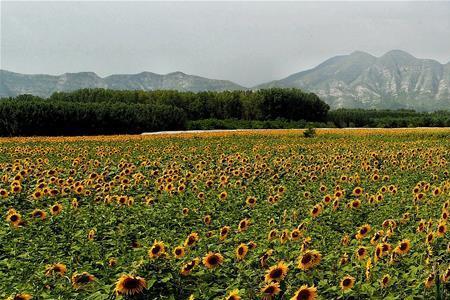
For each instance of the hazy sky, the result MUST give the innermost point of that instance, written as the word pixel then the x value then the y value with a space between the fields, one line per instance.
pixel 248 43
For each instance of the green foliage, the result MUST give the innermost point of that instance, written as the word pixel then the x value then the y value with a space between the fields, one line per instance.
pixel 388 118
pixel 100 111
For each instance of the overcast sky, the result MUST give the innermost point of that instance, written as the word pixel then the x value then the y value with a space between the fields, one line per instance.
pixel 248 43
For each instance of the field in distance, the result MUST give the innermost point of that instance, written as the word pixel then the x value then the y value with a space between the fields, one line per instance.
pixel 347 214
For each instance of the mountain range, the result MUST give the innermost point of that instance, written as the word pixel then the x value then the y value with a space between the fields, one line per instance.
pixel 357 80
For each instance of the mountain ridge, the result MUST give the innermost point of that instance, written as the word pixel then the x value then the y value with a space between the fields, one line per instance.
pixel 393 80
pixel 43 85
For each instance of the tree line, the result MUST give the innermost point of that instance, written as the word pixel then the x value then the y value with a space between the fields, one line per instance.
pixel 101 111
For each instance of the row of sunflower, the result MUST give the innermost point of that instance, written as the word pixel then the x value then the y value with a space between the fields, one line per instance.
pixel 225 217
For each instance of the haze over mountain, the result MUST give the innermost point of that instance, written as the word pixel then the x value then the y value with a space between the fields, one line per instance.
pixel 358 80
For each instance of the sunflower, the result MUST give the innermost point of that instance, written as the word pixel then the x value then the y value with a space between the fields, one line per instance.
pixel 305 293
pixel 58 268
pixel 376 237
pixel 243 225
pixel 251 201
pixel 252 245
pixel 130 285
pixel 345 240
pixel 91 234
pixel 361 253
pixel 38 214
pixel 362 232
pixel 327 199
pixel 355 203
pixel 21 297
pixel 316 210
pixel 233 295
pixel 191 239
pixel 296 234
pixel 344 259
pixel 188 267
pixel 441 230
pixel 403 247
pixel 56 209
pixel 357 191
pixel 207 219
pixel 335 204
pixel 212 260
pixel 430 237
pixel 429 281
pixel 112 262
pixel 385 280
pixel 309 259
pixel 446 275
pixel 223 195
pixel 224 232
pixel 3 193
pixel 347 283
pixel 241 251
pixel 78 280
pixel 263 259
pixel 284 236
pixel 157 249
pixel 276 272
pixel 37 194
pixel 179 251
pixel 270 289
pixel 272 234
pixel 14 218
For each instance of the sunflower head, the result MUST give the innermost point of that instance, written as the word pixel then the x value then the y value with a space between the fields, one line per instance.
pixel 361 253
pixel 305 293
pixel 430 281
pixel 38 214
pixel 241 251
pixel 270 289
pixel 79 280
pixel 403 247
pixel 188 267
pixel 158 249
pixel 14 218
pixel 276 272
pixel 309 259
pixel 56 209
pixel 58 269
pixel 130 285
pixel 191 239
pixel 385 280
pixel 250 201
pixel 22 296
pixel 243 225
pixel 233 295
pixel 212 260
pixel 224 232
pixel 179 251
pixel 347 283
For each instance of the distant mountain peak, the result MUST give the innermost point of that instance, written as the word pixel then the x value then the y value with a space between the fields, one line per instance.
pixel 397 79
pixel 361 54
pixel 178 73
pixel 398 53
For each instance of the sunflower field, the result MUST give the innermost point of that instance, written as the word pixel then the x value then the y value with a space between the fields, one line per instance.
pixel 348 214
